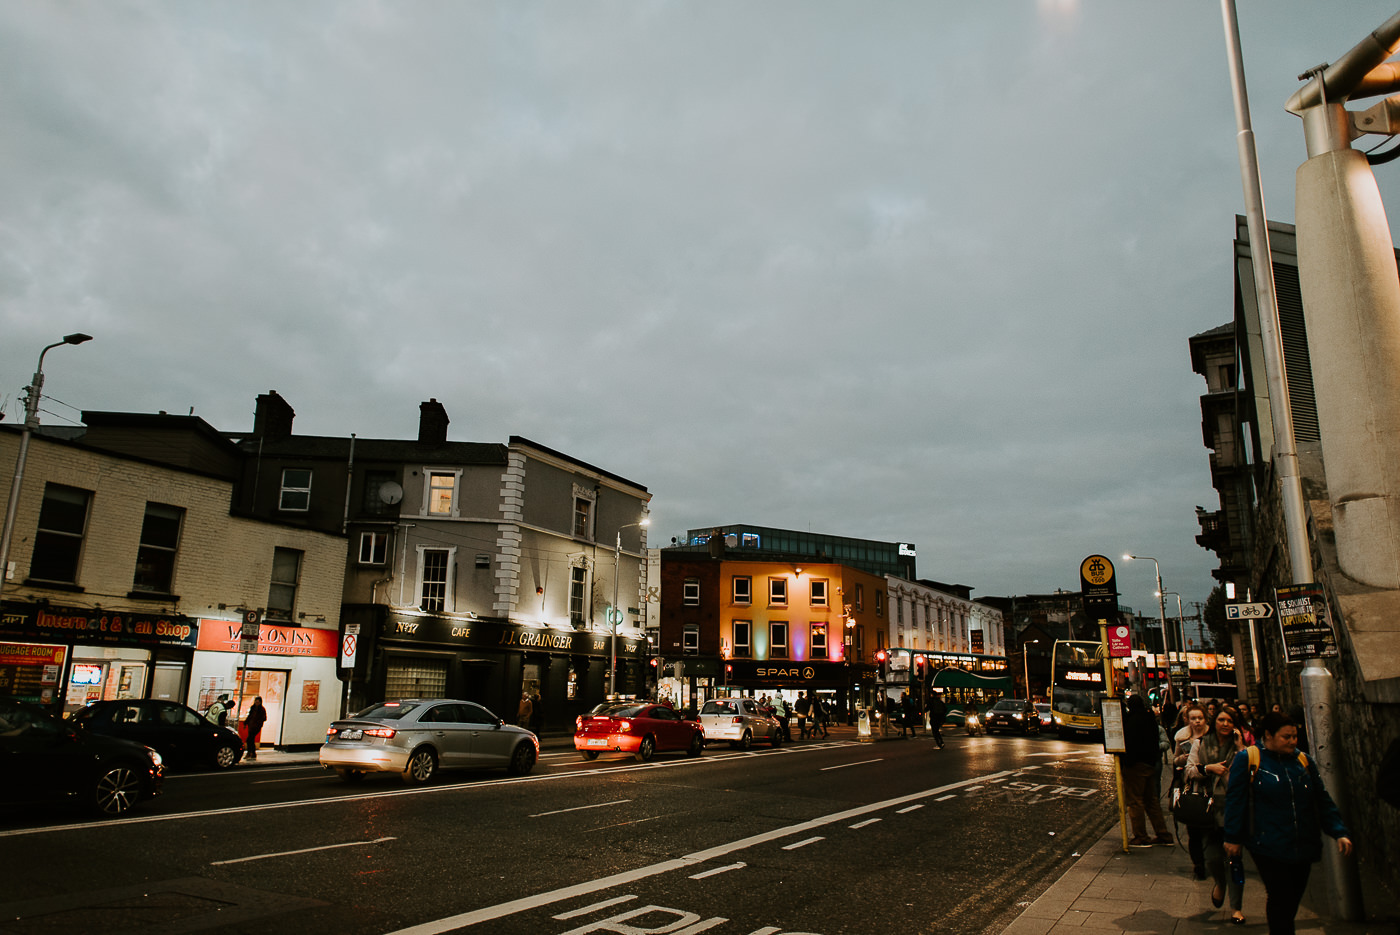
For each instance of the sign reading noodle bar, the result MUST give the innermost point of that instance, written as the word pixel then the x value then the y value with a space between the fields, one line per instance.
pixel 226 636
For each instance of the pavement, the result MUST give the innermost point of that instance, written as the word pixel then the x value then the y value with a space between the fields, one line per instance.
pixel 1109 891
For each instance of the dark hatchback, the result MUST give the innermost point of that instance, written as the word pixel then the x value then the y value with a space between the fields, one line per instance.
pixel 1013 714
pixel 43 760
pixel 181 734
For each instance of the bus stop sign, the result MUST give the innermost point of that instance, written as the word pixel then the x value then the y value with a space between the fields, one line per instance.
pixel 1098 588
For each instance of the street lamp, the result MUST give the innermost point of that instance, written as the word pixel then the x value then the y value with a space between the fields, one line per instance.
pixel 1180 625
pixel 614 614
pixel 1026 663
pixel 1161 609
pixel 31 422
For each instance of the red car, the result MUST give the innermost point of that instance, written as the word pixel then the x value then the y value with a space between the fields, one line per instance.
pixel 639 729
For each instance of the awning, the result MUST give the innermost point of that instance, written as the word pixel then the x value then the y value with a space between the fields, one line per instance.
pixel 961 678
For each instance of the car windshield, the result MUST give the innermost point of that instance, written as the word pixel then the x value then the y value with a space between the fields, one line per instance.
pixel 720 707
pixel 621 710
pixel 389 710
pixel 1009 706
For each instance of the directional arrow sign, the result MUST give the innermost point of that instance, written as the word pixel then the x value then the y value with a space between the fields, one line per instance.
pixel 1248 611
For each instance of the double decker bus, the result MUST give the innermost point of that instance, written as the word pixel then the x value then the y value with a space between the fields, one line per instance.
pixel 1076 686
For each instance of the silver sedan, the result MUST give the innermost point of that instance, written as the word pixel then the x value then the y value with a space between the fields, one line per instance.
pixel 415 737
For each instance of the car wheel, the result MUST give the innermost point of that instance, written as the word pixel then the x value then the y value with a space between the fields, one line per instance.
pixel 225 756
pixel 351 775
pixel 522 760
pixel 422 765
pixel 746 741
pixel 588 754
pixel 117 790
pixel 647 750
pixel 777 739
pixel 697 745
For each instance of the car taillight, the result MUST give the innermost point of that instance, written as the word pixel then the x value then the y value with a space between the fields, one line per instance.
pixel 624 726
pixel 332 731
pixel 738 720
pixel 380 732
pixel 578 722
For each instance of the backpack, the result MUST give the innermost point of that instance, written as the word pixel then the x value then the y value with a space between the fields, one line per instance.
pixel 1253 754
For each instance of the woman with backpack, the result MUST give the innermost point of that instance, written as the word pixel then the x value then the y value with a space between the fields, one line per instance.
pixel 1209 764
pixel 1276 806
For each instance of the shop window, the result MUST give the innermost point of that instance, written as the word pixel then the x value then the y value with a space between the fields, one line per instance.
pixel 374 548
pixel 690 593
pixel 434 579
pixel 155 557
pixel 690 645
pixel 777 640
pixel 743 589
pixel 818 593
pixel 743 639
pixel 777 592
pixel 295 496
pixel 405 678
pixel 58 543
pixel 578 580
pixel 282 593
pixel 441 497
pixel 818 643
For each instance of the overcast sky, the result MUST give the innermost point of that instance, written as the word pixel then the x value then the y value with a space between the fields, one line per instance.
pixel 910 271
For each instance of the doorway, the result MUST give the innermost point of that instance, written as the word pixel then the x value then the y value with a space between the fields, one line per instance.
pixel 271 685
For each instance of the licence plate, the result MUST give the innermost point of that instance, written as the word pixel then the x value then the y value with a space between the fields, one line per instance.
pixel 351 734
pixel 596 742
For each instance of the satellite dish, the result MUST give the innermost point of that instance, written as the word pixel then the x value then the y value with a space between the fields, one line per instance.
pixel 390 492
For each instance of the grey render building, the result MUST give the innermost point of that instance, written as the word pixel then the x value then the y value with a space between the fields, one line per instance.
pixel 476 570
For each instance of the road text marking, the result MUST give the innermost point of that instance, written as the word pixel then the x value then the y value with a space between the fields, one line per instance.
pixel 595 907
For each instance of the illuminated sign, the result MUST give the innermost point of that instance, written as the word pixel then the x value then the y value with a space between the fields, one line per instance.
pixel 1096 677
pixel 907 548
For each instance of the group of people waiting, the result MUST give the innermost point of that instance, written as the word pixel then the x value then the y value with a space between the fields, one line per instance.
pixel 812 711
pixel 1265 796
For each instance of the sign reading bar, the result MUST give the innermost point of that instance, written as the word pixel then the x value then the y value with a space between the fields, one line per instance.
pixel 1303 621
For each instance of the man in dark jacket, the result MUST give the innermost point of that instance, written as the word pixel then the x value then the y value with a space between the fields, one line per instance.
pixel 937 711
pixel 1142 792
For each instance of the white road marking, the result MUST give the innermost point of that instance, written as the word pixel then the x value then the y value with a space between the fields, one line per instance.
pixel 862 824
pixel 709 873
pixel 596 907
pixel 796 845
pixel 945 798
pixel 856 763
pixel 304 850
pixel 264 782
pixel 579 808
pixel 527 903
pixel 912 808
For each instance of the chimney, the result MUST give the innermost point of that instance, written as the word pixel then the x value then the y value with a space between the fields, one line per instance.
pixel 273 418
pixel 432 423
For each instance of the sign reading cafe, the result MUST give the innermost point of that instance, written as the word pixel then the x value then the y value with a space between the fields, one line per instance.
pixel 488 635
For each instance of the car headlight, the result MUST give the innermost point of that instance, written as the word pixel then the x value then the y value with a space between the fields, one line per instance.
pixel 155 757
pixel 1019 716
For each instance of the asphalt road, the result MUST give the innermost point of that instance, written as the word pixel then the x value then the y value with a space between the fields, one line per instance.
pixel 820 837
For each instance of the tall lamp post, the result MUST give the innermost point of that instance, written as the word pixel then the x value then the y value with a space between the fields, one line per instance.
pixel 31 422
pixel 1180 625
pixel 1161 614
pixel 1026 663
pixel 615 614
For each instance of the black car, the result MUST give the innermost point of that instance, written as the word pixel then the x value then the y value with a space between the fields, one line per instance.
pixel 1013 714
pixel 181 734
pixel 43 759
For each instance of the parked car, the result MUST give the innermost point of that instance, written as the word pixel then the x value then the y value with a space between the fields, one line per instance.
pixel 42 759
pixel 183 736
pixel 1013 714
pixel 642 730
pixel 1047 719
pixel 415 737
pixel 739 721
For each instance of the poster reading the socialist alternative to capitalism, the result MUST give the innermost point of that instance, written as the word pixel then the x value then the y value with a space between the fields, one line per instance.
pixel 1304 622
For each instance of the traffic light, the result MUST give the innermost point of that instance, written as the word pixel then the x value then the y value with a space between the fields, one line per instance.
pixel 920 669
pixel 881 657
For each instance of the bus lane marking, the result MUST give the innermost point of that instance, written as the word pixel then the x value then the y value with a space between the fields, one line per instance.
pixel 684 862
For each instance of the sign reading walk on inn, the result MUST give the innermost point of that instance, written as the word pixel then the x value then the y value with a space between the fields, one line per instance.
pixel 1303 621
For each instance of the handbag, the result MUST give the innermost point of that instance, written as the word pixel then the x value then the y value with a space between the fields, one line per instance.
pixel 1191 806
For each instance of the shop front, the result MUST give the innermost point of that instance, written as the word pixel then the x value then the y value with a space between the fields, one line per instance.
pixel 72 656
pixel 830 680
pixel 293 670
pixel 494 663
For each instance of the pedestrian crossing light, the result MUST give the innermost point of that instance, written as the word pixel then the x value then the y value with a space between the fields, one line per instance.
pixel 881 657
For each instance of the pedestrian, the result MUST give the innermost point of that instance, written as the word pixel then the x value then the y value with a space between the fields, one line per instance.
pixel 1295 714
pixel 536 711
pixel 524 710
pixel 1279 810
pixel 218 711
pixel 1196 728
pixel 1245 724
pixel 1169 710
pixel 1139 767
pixel 937 711
pixel 1209 764
pixel 782 712
pixel 823 715
pixel 253 725
pixel 802 709
pixel 911 713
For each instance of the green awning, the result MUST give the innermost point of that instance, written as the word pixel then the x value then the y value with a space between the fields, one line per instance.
pixel 961 678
